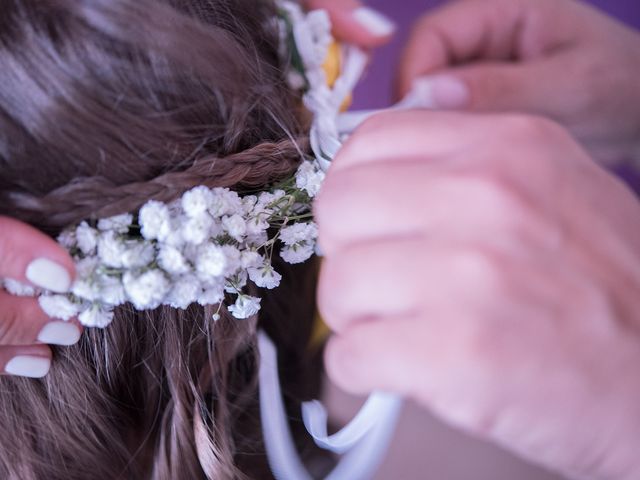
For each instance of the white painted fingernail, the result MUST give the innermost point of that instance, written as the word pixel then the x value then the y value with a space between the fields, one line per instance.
pixel 59 333
pixel 378 24
pixel 48 275
pixel 442 91
pixel 28 366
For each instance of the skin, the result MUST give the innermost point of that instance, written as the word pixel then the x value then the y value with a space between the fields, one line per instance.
pixel 21 318
pixel 561 59
pixel 485 266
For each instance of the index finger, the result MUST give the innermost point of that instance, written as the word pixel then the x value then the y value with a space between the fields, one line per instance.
pixel 30 257
pixel 476 30
pixel 355 23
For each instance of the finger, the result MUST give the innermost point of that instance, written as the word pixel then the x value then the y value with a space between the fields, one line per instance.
pixel 354 23
pixel 22 322
pixel 382 354
pixel 31 361
pixel 398 277
pixel 413 134
pixel 473 30
pixel 355 206
pixel 533 87
pixel 29 256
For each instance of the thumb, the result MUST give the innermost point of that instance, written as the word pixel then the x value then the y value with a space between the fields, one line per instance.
pixel 490 87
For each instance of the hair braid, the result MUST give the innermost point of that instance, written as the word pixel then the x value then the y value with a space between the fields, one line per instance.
pixel 98 197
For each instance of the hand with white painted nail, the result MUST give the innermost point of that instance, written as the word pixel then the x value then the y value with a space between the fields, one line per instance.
pixel 356 23
pixel 557 58
pixel 485 266
pixel 29 257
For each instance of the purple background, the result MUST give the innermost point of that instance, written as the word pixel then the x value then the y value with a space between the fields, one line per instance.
pixel 376 89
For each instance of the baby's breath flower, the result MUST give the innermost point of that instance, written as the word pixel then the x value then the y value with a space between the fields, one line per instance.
pixel 309 178
pixel 138 254
pixel 224 202
pixel 96 316
pixel 147 290
pixel 119 223
pixel 58 306
pixel 18 289
pixel 185 291
pixel 197 201
pixel 299 233
pixel 297 253
pixel 172 261
pixel 86 238
pixel 197 230
pixel 245 307
pixel 111 249
pixel 236 226
pixel 211 261
pixel 154 219
pixel 211 296
pixel 264 276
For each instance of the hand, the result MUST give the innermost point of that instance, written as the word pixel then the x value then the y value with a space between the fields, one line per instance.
pixel 354 23
pixel 31 258
pixel 486 267
pixel 557 58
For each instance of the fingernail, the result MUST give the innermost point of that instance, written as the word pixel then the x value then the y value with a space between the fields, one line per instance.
pixel 48 275
pixel 59 333
pixel 443 91
pixel 375 22
pixel 28 366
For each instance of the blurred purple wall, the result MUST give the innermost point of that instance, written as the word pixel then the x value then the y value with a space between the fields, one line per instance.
pixel 376 89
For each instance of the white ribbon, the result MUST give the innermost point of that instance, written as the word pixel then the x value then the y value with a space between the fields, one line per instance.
pixel 366 438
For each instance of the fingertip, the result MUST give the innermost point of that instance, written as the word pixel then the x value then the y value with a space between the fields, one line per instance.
pixel 28 255
pixel 344 367
pixel 357 24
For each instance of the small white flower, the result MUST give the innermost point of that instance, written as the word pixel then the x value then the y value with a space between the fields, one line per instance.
pixel 146 291
pixel 197 201
pixel 197 230
pixel 236 282
pixel 67 239
pixel 297 253
pixel 235 226
pixel 251 258
pixel 119 223
pixel 225 202
pixel 245 307
pixel 299 233
pixel 111 249
pixel 86 238
pixel 267 201
pixel 234 259
pixel 309 178
pixel 96 316
pixel 172 261
pixel 265 276
pixel 86 289
pixel 138 254
pixel 58 306
pixel 18 289
pixel 211 261
pixel 185 291
pixel 155 220
pixel 111 291
pixel 257 240
pixel 211 296
pixel 257 224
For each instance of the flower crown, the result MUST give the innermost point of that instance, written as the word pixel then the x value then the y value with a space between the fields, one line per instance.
pixel 205 247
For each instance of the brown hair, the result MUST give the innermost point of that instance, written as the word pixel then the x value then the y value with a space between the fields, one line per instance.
pixel 104 105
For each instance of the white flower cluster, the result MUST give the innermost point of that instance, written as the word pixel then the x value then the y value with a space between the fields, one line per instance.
pixel 201 249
